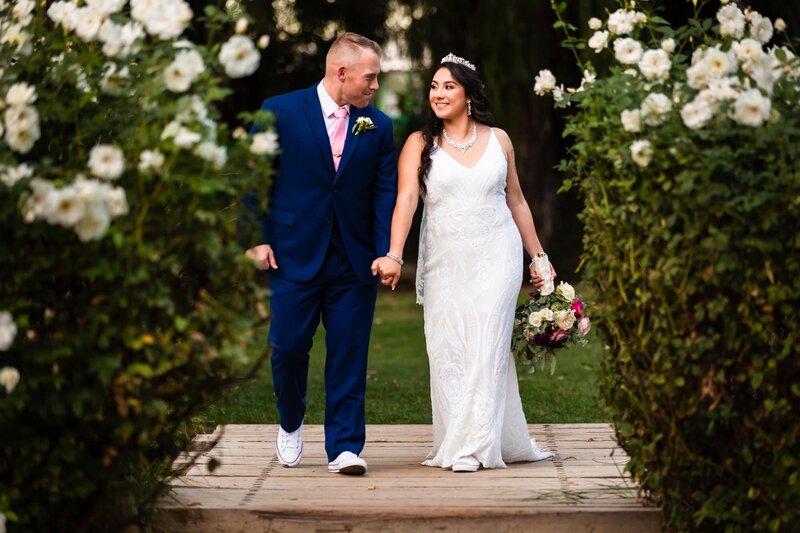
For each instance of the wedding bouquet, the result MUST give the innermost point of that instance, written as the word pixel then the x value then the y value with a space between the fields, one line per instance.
pixel 548 322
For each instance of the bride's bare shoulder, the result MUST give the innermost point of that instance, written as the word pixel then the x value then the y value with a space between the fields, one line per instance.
pixel 415 143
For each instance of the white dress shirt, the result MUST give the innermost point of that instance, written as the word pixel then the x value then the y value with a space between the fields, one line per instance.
pixel 328 106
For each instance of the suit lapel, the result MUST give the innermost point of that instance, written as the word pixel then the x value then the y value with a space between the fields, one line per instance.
pixel 313 111
pixel 351 141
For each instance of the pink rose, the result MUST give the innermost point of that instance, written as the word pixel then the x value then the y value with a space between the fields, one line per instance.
pixel 577 306
pixel 584 325
pixel 559 335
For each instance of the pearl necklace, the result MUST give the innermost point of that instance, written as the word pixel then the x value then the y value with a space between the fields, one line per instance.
pixel 462 147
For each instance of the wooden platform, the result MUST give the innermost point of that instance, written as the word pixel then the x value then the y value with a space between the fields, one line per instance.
pixel 582 489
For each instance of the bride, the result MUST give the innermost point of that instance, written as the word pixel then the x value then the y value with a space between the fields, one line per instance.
pixel 475 223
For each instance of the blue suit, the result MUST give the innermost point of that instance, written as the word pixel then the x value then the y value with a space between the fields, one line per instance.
pixel 326 227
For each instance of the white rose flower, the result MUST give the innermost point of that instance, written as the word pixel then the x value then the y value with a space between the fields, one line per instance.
pixel 642 152
pixel 545 82
pixel 731 21
pixel 640 18
pixel 721 89
pixel 764 72
pixel 21 94
pixel 216 155
pixel 183 70
pixel 239 57
pixel 595 23
pixel 668 45
pixel 120 41
pixel 8 330
pixel 106 161
pixel 241 26
pixel 22 10
pixel 627 51
pixel 263 41
pixel 106 7
pixel 621 22
pixel 38 202
pixel 11 175
pixel 566 291
pixel 698 75
pixel 655 65
pixel 747 50
pixel 752 108
pixel 565 320
pixel 114 81
pixel 654 107
pixel 718 62
pixel 94 223
pixel 599 41
pixel 67 207
pixel 151 160
pixel 17 38
pixel 780 25
pixel 761 28
pixel 186 138
pixel 87 23
pixel 264 143
pixel 631 120
pixel 697 113
pixel 61 11
pixel 22 128
pixel 116 201
pixel 547 315
pixel 535 319
pixel 165 19
pixel 9 378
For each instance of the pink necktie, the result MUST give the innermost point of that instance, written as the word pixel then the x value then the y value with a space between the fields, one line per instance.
pixel 339 134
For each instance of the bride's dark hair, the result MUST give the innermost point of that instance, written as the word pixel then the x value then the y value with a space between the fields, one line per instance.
pixel 475 91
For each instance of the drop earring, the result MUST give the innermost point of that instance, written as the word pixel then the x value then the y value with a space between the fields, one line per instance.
pixel 469 108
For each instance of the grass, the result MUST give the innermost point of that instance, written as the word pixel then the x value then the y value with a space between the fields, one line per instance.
pixel 398 379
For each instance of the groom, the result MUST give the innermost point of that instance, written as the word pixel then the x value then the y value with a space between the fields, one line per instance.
pixel 329 217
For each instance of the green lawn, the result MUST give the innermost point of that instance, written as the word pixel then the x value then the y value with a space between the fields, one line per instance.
pixel 397 387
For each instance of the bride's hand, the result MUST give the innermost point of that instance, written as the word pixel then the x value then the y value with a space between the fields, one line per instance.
pixel 388 269
pixel 537 280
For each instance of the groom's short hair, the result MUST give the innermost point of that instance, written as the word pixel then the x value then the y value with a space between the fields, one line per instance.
pixel 353 42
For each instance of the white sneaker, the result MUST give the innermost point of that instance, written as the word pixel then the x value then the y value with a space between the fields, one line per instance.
pixel 290 447
pixel 466 464
pixel 540 454
pixel 348 463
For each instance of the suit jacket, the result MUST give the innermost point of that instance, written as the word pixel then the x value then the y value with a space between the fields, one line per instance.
pixel 308 194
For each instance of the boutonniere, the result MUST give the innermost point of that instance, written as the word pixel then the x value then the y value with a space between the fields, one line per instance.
pixel 363 124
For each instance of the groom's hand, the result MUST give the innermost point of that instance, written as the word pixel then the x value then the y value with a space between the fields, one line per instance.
pixel 388 270
pixel 263 256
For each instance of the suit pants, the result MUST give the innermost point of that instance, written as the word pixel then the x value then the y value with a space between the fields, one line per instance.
pixel 346 306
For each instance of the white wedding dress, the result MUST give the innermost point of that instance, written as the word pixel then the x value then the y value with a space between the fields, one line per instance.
pixel 468 278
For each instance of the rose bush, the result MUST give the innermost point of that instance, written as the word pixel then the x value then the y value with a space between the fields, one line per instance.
pixel 685 152
pixel 126 303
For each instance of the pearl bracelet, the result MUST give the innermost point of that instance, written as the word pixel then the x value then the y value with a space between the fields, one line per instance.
pixel 393 257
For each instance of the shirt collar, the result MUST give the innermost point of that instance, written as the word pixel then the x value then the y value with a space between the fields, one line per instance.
pixel 328 104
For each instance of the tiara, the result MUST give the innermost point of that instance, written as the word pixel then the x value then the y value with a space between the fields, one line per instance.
pixel 452 58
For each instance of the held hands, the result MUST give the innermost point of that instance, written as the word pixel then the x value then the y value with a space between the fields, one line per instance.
pixel 263 256
pixel 537 281
pixel 388 269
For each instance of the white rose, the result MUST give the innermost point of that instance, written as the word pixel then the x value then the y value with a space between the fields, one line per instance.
pixel 265 142
pixel 721 89
pixel 566 291
pixel 113 81
pixel 627 51
pixel 186 138
pixel 67 207
pixel 150 160
pixel 595 23
pixel 621 22
pixel 263 41
pixel 166 19
pixel 761 28
pixel 547 315
pixel 752 108
pixel 599 41
pixel 8 330
pixel 241 26
pixel 11 175
pixel 655 65
pixel 668 45
pixel 747 50
pixel 9 377
pixel 21 94
pixel 116 201
pixel 545 82
pixel 654 107
pixel 216 155
pixel 106 161
pixel 565 320
pixel 94 223
pixel 535 319
pixel 642 152
pixel 719 63
pixel 87 23
pixel 780 25
pixel 763 71
pixel 183 70
pixel 61 11
pixel 731 21
pixel 106 7
pixel 239 57
pixel 631 120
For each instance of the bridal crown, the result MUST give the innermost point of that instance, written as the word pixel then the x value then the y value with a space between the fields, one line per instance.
pixel 452 58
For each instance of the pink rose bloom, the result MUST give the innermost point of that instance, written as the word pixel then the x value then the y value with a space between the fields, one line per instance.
pixel 558 335
pixel 577 306
pixel 584 325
